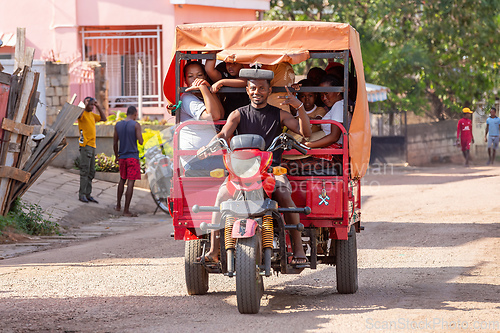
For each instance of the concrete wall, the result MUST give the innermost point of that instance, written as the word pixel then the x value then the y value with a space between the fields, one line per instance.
pixel 57 89
pixel 433 143
pixel 104 143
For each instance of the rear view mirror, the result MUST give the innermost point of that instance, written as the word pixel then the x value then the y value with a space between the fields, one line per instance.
pixel 257 74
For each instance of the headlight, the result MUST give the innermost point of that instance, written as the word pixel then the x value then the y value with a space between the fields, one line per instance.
pixel 245 168
pixel 247 163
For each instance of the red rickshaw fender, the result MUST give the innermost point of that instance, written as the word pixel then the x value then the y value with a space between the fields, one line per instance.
pixel 340 232
pixel 251 226
pixel 188 235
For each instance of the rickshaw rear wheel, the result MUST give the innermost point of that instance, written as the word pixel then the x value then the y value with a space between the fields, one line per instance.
pixel 196 274
pixel 347 263
pixel 249 284
pixel 159 201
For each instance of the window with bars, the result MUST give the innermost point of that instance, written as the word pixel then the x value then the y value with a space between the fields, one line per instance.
pixel 121 49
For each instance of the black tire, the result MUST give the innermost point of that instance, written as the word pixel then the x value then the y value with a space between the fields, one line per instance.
pixel 196 274
pixel 249 284
pixel 347 264
pixel 160 201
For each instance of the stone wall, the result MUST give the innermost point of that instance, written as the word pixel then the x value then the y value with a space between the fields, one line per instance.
pixel 432 143
pixel 56 88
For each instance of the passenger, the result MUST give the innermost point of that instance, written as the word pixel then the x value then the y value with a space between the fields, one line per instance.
pixel 337 69
pixel 316 75
pixel 226 74
pixel 328 137
pixel 334 101
pixel 310 99
pixel 198 103
pixel 267 121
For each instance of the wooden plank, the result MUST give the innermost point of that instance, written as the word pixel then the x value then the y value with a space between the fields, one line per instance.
pixel 4 78
pixel 14 173
pixel 21 188
pixel 32 109
pixel 65 119
pixel 20 48
pixel 19 114
pixel 26 104
pixel 28 56
pixel 16 84
pixel 18 128
pixel 51 146
pixel 14 147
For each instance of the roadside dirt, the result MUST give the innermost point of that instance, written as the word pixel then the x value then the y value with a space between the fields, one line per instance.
pixel 11 235
pixel 428 262
pixel 84 215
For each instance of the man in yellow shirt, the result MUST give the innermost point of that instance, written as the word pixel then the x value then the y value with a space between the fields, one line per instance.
pixel 86 127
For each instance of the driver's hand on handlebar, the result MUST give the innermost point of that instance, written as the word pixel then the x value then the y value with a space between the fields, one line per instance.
pixel 201 154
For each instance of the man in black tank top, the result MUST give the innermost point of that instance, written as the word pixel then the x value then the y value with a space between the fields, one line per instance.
pixel 267 121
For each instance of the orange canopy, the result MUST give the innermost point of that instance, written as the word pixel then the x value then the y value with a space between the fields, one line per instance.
pixel 272 42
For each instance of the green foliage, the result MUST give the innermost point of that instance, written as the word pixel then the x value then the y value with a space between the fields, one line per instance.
pixel 155 138
pixel 29 219
pixel 438 55
pixel 117 116
pixel 105 163
pixel 114 118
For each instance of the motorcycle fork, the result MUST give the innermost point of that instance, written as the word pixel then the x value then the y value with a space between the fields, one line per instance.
pixel 229 244
pixel 267 242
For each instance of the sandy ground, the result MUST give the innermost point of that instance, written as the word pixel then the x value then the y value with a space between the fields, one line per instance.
pixel 428 262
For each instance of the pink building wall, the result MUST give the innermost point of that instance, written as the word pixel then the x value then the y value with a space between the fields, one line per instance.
pixel 53 26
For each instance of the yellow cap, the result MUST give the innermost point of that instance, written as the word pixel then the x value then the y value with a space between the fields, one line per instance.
pixel 466 110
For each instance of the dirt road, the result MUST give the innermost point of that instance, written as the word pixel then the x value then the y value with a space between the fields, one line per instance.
pixel 428 262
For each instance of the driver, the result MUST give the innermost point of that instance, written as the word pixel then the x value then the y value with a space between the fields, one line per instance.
pixel 268 121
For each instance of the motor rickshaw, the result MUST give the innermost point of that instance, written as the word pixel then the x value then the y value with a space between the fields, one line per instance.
pixel 329 203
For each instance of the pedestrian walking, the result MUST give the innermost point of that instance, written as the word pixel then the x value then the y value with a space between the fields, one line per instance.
pixel 87 143
pixel 464 134
pixel 127 133
pixel 492 134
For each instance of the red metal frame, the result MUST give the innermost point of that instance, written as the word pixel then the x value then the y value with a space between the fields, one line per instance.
pixel 185 221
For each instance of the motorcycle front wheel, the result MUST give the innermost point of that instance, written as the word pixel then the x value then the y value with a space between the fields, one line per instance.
pixel 249 284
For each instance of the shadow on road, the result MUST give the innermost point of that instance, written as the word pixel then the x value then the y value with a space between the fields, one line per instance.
pixel 382 235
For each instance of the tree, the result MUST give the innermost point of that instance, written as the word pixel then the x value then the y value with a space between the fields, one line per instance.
pixel 436 56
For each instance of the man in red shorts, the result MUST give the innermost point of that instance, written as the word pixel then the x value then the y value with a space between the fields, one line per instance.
pixel 127 132
pixel 464 134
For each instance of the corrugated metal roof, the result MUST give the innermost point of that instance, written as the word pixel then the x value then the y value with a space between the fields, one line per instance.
pixel 8 39
pixel 376 93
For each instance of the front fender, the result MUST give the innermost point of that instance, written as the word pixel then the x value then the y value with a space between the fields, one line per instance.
pixel 244 228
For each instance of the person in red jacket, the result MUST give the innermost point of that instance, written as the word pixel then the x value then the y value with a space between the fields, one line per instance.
pixel 464 134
